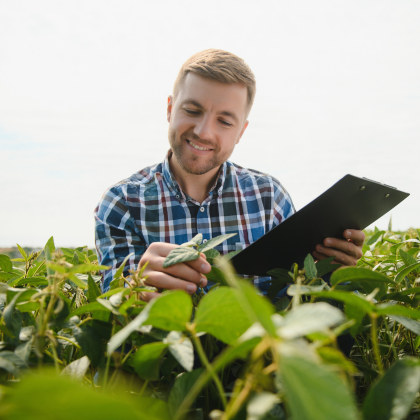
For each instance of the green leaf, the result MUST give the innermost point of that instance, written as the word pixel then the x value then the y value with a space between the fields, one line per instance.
pixel 77 281
pixel 107 304
pixel 93 290
pixel 351 298
pixel 120 270
pixel 221 314
pixel 87 268
pixel 336 357
pixel 147 359
pixel 309 265
pixel 5 263
pixel 393 396
pixel 309 318
pixel 406 271
pixel 391 310
pixel 90 307
pixel 231 254
pixel 50 245
pixel 122 335
pixel 212 255
pixel 22 252
pixel 171 311
pixel 33 281
pixel 314 392
pixel 260 404
pixel 181 348
pixel 183 383
pixel 12 318
pixel 216 275
pixel 280 273
pixel 69 400
pixel 411 324
pixel 92 337
pixel 358 275
pixel 324 266
pixel 407 258
pixel 214 242
pixel 179 255
pixel 367 279
pixel 375 237
pixel 126 304
pixel 257 305
pixel 78 368
pixel 354 312
pixel 196 241
pixel 296 289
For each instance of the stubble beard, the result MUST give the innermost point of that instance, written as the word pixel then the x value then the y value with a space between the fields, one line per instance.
pixel 186 160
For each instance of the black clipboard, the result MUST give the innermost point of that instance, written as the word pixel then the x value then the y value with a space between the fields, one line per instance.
pixel 351 203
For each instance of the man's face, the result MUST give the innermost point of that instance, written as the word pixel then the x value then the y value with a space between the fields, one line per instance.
pixel 206 121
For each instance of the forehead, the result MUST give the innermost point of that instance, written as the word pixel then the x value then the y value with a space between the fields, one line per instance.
pixel 213 94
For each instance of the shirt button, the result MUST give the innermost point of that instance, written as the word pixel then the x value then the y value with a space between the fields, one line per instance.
pixel 177 196
pixel 202 209
pixel 204 241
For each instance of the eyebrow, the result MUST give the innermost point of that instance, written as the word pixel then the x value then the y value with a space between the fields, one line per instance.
pixel 199 106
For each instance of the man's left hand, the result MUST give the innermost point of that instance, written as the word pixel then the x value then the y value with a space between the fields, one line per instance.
pixel 345 251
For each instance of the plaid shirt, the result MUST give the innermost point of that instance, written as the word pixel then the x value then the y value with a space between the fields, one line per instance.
pixel 151 207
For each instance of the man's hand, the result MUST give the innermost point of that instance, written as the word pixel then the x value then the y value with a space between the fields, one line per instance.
pixel 184 276
pixel 345 251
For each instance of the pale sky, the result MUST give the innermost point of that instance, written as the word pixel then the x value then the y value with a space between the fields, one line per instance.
pixel 84 84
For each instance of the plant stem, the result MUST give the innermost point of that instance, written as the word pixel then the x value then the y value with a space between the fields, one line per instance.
pixel 391 339
pixel 208 366
pixel 108 359
pixel 374 338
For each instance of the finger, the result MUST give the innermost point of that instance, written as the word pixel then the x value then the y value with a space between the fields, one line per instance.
pixel 165 281
pixel 200 264
pixel 339 256
pixel 180 270
pixel 348 247
pixel 357 236
pixel 318 256
pixel 148 296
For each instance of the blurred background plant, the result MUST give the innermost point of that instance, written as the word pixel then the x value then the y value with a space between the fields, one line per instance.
pixel 68 350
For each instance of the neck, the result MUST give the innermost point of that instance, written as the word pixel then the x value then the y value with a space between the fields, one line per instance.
pixel 196 186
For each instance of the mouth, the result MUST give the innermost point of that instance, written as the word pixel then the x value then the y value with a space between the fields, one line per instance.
pixel 197 147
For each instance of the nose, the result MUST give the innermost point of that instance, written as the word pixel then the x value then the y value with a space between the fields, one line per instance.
pixel 204 128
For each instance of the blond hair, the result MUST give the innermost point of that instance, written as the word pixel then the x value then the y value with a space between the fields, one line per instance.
pixel 219 65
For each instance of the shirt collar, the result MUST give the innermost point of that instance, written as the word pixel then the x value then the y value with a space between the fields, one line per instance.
pixel 174 186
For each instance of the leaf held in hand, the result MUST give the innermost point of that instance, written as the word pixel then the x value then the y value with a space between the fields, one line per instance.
pixel 180 255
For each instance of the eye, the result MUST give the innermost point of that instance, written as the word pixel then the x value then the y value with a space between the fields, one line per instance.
pixel 225 123
pixel 191 111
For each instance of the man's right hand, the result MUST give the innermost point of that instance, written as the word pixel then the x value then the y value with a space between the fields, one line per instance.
pixel 186 276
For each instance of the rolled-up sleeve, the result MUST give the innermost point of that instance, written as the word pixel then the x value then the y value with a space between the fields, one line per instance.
pixel 116 235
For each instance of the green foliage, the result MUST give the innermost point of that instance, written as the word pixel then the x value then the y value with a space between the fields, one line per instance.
pixel 229 354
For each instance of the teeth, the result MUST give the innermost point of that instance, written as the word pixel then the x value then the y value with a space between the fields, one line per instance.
pixel 196 147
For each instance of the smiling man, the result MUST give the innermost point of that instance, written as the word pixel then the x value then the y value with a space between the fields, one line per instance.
pixel 196 189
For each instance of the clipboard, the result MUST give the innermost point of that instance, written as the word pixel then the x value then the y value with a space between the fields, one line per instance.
pixel 351 203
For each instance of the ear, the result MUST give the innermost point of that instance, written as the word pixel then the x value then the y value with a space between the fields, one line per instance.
pixel 242 131
pixel 169 108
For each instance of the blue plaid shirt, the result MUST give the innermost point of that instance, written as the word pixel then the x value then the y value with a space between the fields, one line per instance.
pixel 151 207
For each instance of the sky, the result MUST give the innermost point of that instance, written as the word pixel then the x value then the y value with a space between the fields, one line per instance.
pixel 84 87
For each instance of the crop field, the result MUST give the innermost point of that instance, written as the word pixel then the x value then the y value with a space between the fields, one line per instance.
pixel 69 351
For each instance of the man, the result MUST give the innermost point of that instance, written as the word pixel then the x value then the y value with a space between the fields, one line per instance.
pixel 196 189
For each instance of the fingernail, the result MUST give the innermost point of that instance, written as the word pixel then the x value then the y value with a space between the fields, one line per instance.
pixel 348 232
pixel 320 248
pixel 328 241
pixel 191 288
pixel 203 281
pixel 205 268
